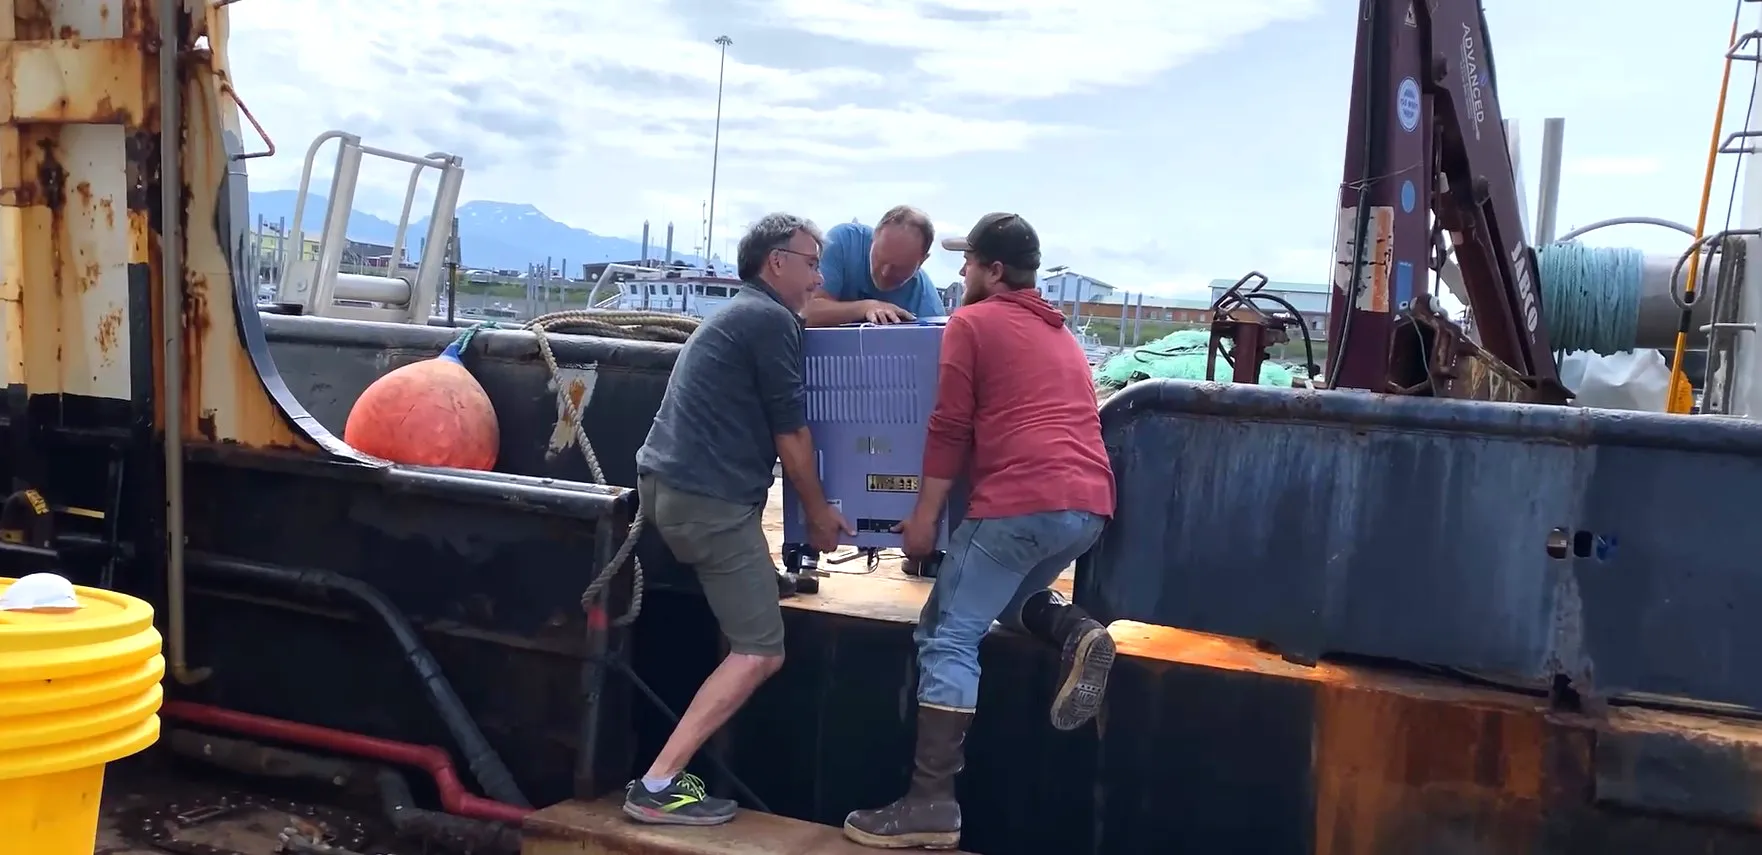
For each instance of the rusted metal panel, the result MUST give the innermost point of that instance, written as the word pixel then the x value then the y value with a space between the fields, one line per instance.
pixel 44 20
pixel 1270 756
pixel 1693 766
pixel 1429 767
pixel 225 398
pixel 68 81
pixel 12 314
pixel 66 256
pixel 1519 540
pixel 81 233
pixel 89 264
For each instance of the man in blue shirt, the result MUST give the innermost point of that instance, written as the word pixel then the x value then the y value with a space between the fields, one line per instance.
pixel 877 275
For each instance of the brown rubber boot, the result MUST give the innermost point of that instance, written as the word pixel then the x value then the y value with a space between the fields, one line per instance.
pixel 927 817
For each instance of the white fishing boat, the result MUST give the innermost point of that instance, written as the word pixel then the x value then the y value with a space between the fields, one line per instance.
pixel 1093 349
pixel 678 289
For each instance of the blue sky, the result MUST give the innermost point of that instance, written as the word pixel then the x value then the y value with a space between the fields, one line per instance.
pixel 1156 144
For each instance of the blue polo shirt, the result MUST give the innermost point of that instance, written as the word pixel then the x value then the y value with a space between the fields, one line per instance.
pixel 845 265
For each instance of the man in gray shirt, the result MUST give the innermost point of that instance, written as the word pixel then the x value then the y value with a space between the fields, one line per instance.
pixel 733 406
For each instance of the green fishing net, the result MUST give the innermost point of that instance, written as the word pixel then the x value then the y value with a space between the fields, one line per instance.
pixel 1180 355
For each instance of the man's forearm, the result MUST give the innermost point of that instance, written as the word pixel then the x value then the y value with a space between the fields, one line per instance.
pixel 826 312
pixel 932 495
pixel 796 450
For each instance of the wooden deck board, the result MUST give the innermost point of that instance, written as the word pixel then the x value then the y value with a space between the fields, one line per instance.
pixel 886 594
pixel 600 828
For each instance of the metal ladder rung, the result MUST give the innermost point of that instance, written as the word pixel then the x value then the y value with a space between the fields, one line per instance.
pixel 1743 42
pixel 1729 146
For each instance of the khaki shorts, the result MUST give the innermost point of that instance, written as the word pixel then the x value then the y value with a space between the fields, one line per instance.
pixel 725 543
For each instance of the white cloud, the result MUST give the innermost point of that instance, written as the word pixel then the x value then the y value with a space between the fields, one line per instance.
pixel 1023 49
pixel 558 104
pixel 1612 167
pixel 602 115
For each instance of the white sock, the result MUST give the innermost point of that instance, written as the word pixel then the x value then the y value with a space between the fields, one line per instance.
pixel 655 785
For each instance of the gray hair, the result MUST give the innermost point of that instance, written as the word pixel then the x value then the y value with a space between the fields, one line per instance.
pixel 768 235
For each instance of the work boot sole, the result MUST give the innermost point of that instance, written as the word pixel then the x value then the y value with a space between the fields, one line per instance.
pixel 917 840
pixel 657 817
pixel 1079 697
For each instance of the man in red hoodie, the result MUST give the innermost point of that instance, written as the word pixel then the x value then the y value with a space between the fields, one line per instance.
pixel 1015 411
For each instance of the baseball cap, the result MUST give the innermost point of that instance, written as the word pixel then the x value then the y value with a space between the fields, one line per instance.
pixel 1003 238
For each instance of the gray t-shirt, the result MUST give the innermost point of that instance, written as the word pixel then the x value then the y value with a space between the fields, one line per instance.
pixel 736 387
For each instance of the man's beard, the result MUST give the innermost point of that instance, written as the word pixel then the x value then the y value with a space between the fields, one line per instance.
pixel 973 294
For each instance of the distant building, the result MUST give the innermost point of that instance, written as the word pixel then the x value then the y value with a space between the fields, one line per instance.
pixel 1311 299
pixel 1062 284
pixel 269 251
pixel 364 254
pixel 1148 307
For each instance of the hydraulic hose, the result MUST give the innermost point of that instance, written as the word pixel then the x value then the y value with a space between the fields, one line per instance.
pixel 483 761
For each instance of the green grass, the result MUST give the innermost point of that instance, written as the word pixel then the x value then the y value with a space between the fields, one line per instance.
pixel 492 290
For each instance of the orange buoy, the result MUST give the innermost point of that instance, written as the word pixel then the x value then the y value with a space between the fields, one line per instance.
pixel 428 413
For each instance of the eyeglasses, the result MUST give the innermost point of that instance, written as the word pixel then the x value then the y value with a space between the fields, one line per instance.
pixel 813 261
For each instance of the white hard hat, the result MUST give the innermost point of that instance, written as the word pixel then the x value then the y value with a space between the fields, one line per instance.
pixel 39 591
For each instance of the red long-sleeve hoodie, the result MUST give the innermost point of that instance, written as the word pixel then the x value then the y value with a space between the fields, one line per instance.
pixel 1016 402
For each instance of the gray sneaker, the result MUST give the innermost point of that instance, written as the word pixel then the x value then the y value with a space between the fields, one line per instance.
pixel 683 802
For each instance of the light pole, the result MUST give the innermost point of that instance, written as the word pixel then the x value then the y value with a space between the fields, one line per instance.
pixel 716 149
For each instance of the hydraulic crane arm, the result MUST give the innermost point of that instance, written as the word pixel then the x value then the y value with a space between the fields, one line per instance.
pixel 1426 155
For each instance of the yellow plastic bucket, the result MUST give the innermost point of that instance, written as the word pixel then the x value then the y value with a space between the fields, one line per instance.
pixel 79 688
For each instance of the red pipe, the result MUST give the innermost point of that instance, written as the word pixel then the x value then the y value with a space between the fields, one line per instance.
pixel 428 758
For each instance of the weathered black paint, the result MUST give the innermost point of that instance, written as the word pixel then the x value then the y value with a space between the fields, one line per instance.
pixel 496 585
pixel 1187 757
pixel 136 501
pixel 832 733
pixel 330 362
pixel 1417 530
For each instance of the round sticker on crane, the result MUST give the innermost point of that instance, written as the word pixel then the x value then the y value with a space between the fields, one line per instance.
pixel 1407 103
pixel 1408 195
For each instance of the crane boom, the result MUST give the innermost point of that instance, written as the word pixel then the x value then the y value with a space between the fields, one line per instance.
pixel 1426 157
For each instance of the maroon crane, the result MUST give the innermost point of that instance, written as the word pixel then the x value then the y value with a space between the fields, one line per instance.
pixel 1426 157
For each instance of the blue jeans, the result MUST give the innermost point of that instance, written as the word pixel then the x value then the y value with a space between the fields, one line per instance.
pixel 991 568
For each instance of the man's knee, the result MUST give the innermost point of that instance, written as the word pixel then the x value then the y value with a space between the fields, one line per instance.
pixel 941 646
pixel 761 664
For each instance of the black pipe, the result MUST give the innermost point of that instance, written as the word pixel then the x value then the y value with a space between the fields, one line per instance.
pixel 262 761
pixel 449 832
pixel 485 764
pixel 456 833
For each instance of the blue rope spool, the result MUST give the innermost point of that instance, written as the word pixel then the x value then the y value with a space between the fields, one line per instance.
pixel 1591 296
